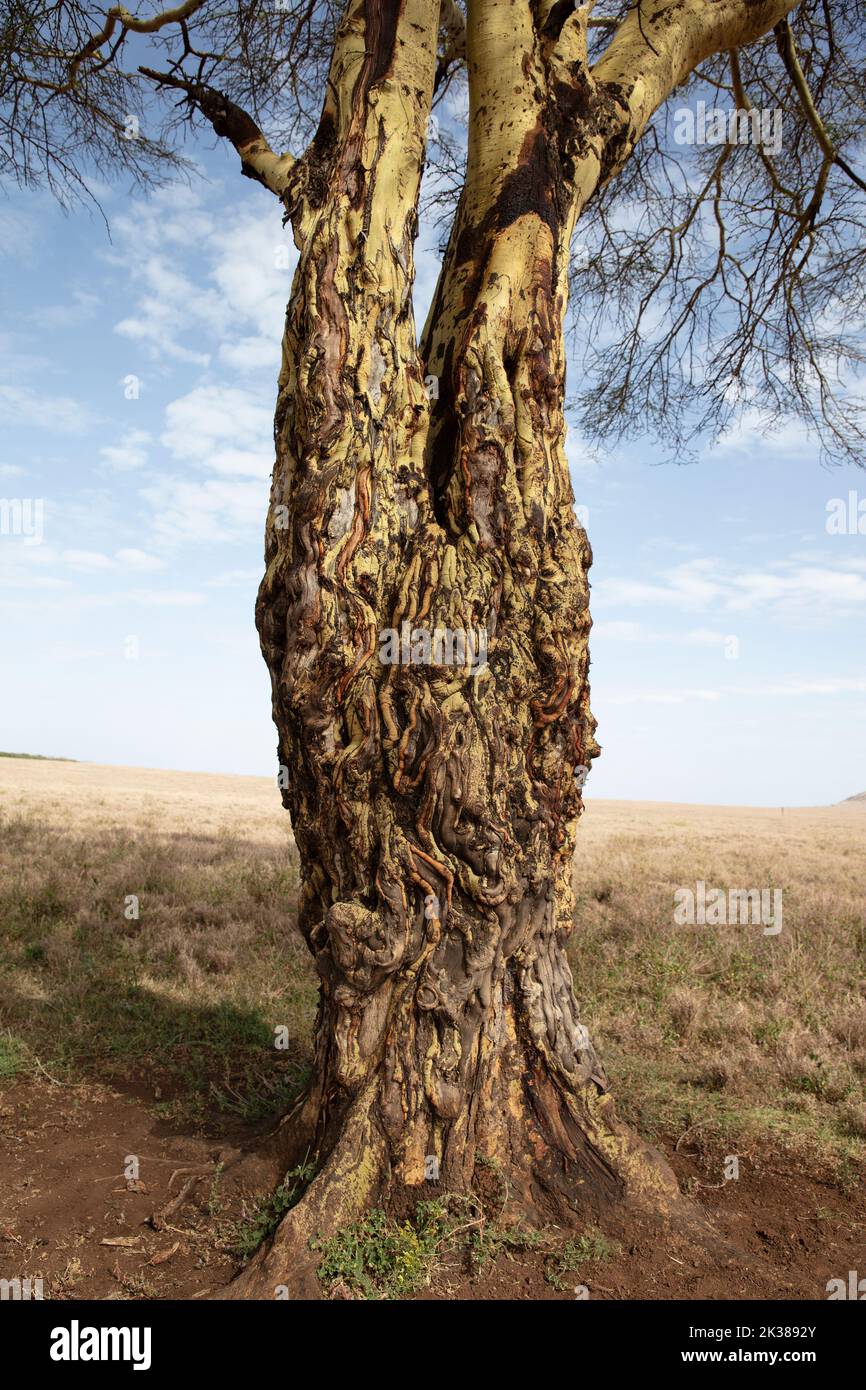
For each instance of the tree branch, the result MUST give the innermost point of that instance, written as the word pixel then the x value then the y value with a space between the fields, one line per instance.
pixel 684 33
pixel 788 53
pixel 258 160
pixel 130 23
pixel 452 28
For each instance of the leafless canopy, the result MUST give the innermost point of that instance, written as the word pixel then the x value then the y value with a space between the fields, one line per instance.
pixel 708 276
pixel 718 277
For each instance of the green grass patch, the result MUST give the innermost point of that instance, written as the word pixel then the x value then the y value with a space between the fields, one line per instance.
pixel 39 757
pixel 270 1210
pixel 380 1257
pixel 13 1057
pixel 590 1248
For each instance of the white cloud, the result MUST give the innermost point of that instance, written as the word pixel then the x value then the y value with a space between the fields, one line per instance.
pixel 85 560
pixel 203 282
pixel 80 309
pixel 138 560
pixel 160 598
pixel 95 561
pixel 253 264
pixel 20 405
pixel 794 687
pixel 216 510
pixel 221 428
pixel 635 632
pixel 69 602
pixel 130 453
pixel 791 687
pixel 581 458
pixel 705 584
pixel 660 697
pixel 251 355
pixel 23 567
pixel 752 433
pixel 806 585
pixel 231 578
pixel 21 232
pixel 153 327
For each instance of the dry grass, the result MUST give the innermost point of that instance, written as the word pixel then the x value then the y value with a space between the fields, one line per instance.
pixel 737 1036
pixel 748 1038
pixel 187 996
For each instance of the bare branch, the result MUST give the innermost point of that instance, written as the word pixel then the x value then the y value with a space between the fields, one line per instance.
pixel 129 23
pixel 452 31
pixel 788 51
pixel 258 160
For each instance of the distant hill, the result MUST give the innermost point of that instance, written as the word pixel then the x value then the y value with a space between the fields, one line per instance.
pixel 861 796
pixel 40 757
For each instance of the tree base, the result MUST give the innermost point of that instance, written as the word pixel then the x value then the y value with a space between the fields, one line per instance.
pixel 562 1161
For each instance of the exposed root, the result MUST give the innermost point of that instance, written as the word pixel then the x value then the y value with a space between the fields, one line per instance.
pixel 566 1162
pixel 350 1182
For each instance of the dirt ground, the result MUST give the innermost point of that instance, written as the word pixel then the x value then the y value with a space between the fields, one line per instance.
pixel 69 1215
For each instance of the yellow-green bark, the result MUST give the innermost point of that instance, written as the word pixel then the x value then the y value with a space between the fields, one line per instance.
pixel 435 806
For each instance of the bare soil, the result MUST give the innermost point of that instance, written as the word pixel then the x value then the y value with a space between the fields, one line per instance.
pixel 69 1215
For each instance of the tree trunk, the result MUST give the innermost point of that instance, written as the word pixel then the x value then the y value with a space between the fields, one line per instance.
pixel 435 801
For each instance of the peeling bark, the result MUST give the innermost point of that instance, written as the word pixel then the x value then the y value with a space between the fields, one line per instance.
pixel 435 806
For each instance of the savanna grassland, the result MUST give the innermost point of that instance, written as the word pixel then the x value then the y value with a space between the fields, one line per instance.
pixel 150 1031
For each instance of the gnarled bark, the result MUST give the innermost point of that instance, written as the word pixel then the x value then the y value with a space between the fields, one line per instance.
pixel 435 805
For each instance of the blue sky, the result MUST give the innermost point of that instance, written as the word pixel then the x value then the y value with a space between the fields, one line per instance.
pixel 728 651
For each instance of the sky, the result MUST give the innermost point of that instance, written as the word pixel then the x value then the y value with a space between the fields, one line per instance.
pixel 137 382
